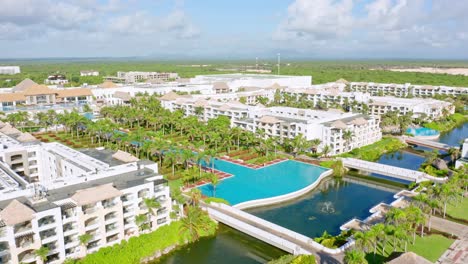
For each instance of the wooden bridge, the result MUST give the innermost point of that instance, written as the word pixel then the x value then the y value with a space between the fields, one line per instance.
pixel 391 171
pixel 427 143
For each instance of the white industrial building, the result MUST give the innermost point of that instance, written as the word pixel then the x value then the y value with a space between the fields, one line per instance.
pixel 133 76
pixel 51 195
pixel 10 70
pixel 89 73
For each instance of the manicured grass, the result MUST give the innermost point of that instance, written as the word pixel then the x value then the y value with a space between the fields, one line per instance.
pixel 429 247
pixel 143 246
pixel 373 151
pixel 446 125
pixel 459 210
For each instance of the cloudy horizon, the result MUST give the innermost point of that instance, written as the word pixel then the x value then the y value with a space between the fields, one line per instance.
pixel 399 29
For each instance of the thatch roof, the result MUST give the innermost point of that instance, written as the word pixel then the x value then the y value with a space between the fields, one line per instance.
pixel 108 84
pixel 123 95
pixel 270 120
pixel 16 213
pixel 124 156
pixel 26 137
pixel 359 121
pixel 38 90
pixel 171 96
pixel 23 85
pixel 74 92
pixel 220 86
pixel 339 124
pixel 12 97
pixel 9 130
pixel 409 258
pixel 95 194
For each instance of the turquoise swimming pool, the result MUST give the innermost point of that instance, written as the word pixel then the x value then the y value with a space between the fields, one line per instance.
pixel 249 184
pixel 422 132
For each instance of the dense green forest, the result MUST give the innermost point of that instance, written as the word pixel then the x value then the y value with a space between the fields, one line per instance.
pixel 321 71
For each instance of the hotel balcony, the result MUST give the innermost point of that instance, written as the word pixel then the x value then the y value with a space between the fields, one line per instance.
pixel 111 228
pixel 127 198
pixel 68 213
pixel 110 216
pixel 27 257
pixel 23 227
pixel 4 249
pixel 45 221
pixel 91 223
pixel 47 234
pixel 143 193
pixel 89 209
pixel 25 241
pixel 109 203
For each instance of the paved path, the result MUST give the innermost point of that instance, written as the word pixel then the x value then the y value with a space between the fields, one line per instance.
pixel 457 253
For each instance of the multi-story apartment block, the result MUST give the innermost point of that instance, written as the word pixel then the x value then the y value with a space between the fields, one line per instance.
pixel 89 73
pixel 133 77
pixel 284 122
pixel 71 202
pixel 430 108
pixel 9 70
pixel 404 90
pixel 56 79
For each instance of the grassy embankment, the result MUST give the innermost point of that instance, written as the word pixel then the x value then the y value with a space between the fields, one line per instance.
pixel 459 210
pixel 137 248
pixel 371 152
pixel 430 247
pixel 450 123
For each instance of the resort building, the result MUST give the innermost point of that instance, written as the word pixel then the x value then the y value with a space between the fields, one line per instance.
pixel 404 90
pixel 133 77
pixel 10 70
pixel 28 95
pixel 429 108
pixel 89 73
pixel 285 122
pixel 463 160
pixel 56 79
pixel 71 202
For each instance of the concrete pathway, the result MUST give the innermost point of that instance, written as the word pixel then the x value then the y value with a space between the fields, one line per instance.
pixel 457 253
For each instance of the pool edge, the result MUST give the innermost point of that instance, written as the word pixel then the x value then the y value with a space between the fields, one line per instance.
pixel 284 197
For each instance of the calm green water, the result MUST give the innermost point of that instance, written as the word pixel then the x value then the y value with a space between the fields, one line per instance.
pixel 229 246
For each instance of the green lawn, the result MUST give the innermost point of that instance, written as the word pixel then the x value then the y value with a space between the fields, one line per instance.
pixel 373 151
pixel 446 125
pixel 459 210
pixel 430 247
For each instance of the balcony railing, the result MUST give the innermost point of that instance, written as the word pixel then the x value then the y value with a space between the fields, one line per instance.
pixel 23 228
pixel 109 204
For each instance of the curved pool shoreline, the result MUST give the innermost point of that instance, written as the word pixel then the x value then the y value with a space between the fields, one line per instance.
pixel 284 197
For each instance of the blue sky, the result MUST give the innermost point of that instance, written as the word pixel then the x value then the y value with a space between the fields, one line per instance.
pixel 196 29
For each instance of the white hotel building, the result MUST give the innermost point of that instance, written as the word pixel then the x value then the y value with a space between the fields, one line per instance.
pixel 285 122
pixel 403 90
pixel 50 195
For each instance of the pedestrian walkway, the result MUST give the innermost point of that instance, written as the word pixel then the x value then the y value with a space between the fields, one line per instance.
pixel 457 253
pixel 388 170
pixel 427 143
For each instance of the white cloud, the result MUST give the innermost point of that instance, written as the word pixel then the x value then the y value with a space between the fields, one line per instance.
pixel 391 25
pixel 321 19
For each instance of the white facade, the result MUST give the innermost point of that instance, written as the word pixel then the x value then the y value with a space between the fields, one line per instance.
pixel 71 194
pixel 463 160
pixel 285 122
pixel 89 73
pixel 403 90
pixel 9 70
pixel 133 77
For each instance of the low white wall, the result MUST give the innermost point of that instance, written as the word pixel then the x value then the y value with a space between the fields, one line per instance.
pixel 284 197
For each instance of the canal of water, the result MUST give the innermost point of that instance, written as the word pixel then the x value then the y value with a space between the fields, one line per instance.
pixel 325 208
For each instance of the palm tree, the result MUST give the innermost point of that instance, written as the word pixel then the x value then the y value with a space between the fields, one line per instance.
pixel 454 153
pixel 355 257
pixel 192 224
pixel 141 221
pixel 314 143
pixel 84 239
pixel 195 196
pixel 364 240
pixel 214 182
pixel 152 205
pixel 347 137
pixel 326 150
pixel 42 253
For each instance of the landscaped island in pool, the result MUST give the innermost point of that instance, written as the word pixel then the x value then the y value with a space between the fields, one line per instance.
pixel 251 184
